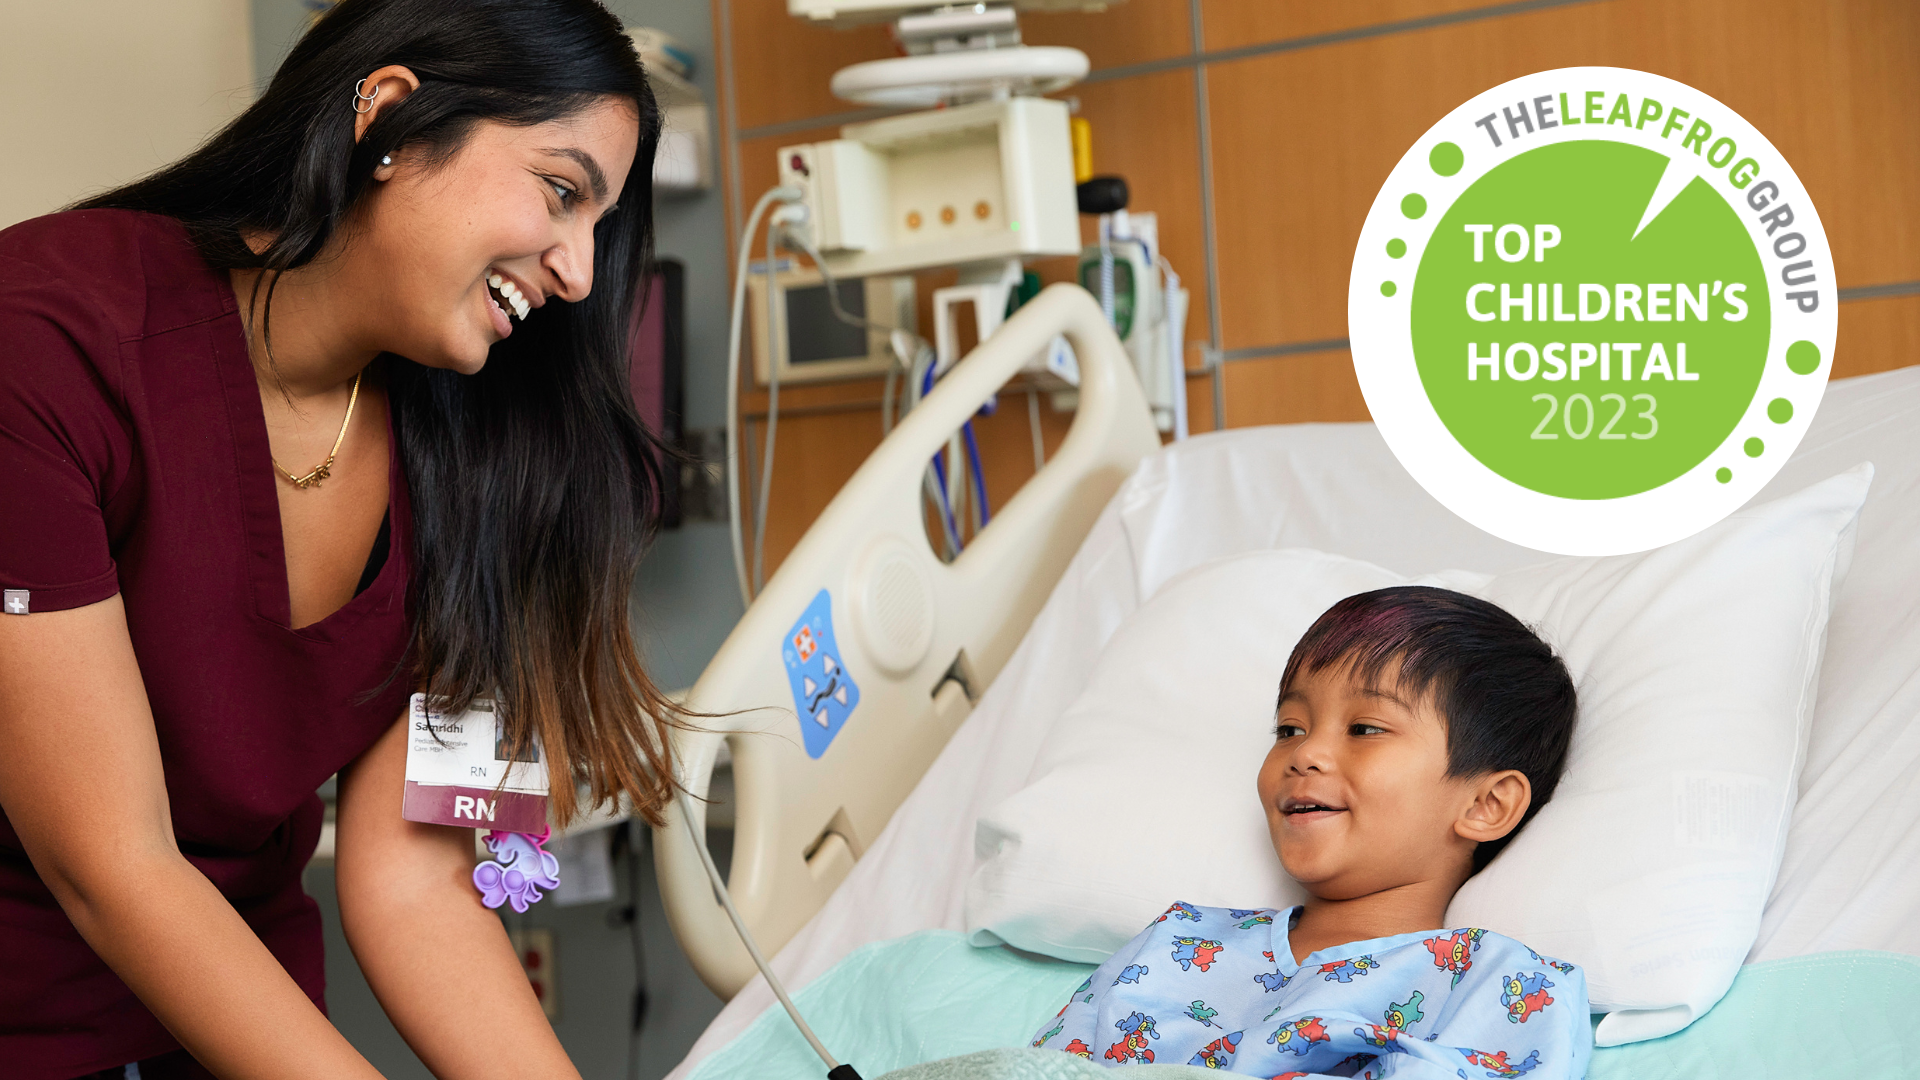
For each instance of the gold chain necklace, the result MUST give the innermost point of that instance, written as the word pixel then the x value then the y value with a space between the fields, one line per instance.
pixel 325 469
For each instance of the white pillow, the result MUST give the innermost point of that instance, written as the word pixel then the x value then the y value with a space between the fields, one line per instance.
pixel 1695 664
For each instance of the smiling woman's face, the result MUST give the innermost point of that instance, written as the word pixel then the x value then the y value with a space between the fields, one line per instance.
pixel 452 255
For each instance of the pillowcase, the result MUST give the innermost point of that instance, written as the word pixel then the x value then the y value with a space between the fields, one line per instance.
pixel 1695 663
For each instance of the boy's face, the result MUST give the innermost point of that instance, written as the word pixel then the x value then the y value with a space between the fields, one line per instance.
pixel 1356 790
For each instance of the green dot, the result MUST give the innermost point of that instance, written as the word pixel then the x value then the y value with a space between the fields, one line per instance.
pixel 1803 357
pixel 1387 288
pixel 1446 159
pixel 1779 410
pixel 1723 475
pixel 1396 247
pixel 1413 205
pixel 1754 447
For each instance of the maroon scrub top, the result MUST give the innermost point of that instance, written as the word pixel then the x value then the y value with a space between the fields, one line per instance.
pixel 134 460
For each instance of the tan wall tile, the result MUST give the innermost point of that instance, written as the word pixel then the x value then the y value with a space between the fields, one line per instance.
pixel 1877 335
pixel 1303 140
pixel 1233 24
pixel 1128 33
pixel 1296 389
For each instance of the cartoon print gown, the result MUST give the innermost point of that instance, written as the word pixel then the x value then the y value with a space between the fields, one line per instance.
pixel 1218 987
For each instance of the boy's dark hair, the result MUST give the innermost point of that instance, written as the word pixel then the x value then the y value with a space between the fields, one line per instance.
pixel 1507 700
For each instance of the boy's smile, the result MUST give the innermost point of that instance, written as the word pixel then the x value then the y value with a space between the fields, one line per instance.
pixel 1298 809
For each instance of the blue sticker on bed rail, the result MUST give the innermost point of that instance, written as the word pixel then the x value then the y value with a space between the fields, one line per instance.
pixel 824 693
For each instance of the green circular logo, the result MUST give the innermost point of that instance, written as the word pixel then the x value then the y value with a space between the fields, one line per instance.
pixel 1592 310
pixel 1583 337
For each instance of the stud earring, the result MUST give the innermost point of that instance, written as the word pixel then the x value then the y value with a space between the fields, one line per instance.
pixel 386 159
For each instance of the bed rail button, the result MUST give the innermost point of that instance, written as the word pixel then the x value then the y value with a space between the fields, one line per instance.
pixel 894 606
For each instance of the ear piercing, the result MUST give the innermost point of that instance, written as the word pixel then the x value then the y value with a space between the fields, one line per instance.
pixel 361 98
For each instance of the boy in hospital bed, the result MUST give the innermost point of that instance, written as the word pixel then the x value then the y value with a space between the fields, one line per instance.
pixel 1417 730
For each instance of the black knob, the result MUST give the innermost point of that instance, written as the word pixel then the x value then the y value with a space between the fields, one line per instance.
pixel 1102 195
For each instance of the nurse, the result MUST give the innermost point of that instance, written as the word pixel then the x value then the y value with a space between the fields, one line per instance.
pixel 332 411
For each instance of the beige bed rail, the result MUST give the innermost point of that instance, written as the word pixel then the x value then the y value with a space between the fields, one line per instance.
pixel 918 638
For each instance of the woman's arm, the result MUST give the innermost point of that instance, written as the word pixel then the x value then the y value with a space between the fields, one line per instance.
pixel 439 962
pixel 82 784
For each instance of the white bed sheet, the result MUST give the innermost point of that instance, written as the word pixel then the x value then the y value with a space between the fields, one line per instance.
pixel 1850 878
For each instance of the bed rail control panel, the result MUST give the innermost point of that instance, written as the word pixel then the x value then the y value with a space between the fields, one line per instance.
pixel 825 693
pixel 919 638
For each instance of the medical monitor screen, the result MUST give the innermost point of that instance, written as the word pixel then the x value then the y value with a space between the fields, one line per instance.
pixel 814 335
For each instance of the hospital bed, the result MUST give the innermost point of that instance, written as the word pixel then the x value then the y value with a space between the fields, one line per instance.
pixel 837 853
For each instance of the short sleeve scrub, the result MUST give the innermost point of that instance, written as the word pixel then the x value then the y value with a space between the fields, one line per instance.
pixel 134 460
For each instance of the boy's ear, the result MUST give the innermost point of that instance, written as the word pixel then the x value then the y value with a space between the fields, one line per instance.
pixel 1500 801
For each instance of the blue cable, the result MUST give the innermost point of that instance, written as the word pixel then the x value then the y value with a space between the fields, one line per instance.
pixel 979 475
pixel 973 463
pixel 940 475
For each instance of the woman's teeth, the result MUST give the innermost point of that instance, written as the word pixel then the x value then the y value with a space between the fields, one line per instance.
pixel 516 303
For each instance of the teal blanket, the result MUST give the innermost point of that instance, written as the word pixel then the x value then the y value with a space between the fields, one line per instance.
pixel 931 1007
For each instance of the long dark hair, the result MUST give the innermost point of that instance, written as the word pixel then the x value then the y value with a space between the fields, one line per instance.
pixel 534 484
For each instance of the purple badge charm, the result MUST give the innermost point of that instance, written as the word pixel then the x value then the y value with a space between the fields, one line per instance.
pixel 518 871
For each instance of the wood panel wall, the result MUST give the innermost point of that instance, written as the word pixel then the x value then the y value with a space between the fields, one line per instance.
pixel 1283 117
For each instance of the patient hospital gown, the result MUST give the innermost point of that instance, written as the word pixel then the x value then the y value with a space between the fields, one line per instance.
pixel 1218 987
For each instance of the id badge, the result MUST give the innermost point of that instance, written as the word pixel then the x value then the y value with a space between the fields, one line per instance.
pixel 455 765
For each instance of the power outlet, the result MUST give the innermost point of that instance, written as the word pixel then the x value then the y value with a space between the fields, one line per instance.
pixel 535 949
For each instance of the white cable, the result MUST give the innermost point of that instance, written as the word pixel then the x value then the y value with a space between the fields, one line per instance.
pixel 914 375
pixel 930 480
pixel 1106 268
pixel 930 486
pixel 886 398
pixel 1033 425
pixel 773 424
pixel 976 502
pixel 788 194
pixel 746 937
pixel 1176 354
pixel 957 482
pixel 895 398
pixel 796 240
pixel 749 442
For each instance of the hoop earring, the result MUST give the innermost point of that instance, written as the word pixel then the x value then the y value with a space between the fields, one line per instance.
pixel 359 97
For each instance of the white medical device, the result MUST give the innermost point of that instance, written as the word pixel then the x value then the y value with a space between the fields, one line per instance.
pixel 1142 297
pixel 983 182
pixel 854 12
pixel 807 342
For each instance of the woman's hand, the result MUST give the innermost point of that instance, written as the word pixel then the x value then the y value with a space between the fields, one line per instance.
pixel 82 785
pixel 439 962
